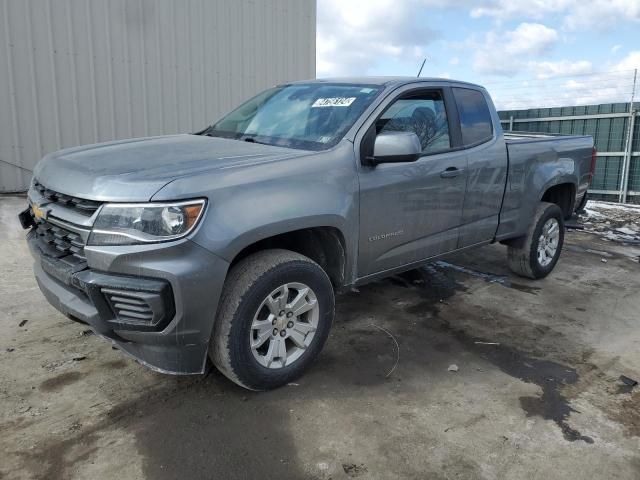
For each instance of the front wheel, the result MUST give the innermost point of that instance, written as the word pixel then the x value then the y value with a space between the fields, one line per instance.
pixel 275 315
pixel 536 254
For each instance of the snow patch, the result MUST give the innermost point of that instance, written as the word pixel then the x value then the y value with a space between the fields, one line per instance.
pixel 599 205
pixel 612 221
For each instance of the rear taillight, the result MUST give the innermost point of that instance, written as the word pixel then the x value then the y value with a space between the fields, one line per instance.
pixel 594 157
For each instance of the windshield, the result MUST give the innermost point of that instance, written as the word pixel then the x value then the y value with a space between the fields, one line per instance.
pixel 312 116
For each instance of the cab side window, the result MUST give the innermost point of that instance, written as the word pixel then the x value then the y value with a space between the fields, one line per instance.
pixel 423 114
pixel 475 118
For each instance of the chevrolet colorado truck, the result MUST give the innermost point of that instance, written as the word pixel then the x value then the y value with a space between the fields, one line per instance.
pixel 229 244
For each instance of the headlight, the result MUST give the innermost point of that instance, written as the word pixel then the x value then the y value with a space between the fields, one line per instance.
pixel 136 223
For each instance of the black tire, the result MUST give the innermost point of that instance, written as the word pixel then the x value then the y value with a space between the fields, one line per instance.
pixel 523 252
pixel 247 285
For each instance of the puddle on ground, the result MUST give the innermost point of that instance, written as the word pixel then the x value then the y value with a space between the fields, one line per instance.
pixel 437 285
pixel 435 282
pixel 549 376
pixel 503 280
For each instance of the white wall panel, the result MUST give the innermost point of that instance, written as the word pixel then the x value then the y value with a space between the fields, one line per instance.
pixel 76 72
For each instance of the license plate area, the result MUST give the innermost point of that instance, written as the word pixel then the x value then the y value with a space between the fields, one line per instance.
pixel 26 219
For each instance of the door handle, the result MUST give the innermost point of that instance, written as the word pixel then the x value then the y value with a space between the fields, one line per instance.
pixel 451 172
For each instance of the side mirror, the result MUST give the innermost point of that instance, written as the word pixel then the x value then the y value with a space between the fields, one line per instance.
pixel 396 147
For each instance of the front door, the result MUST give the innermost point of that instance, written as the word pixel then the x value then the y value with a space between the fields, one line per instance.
pixel 412 211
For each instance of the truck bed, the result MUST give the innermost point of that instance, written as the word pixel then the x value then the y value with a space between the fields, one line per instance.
pixel 556 159
pixel 511 138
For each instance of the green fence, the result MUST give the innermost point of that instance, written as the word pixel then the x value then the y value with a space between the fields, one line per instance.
pixel 608 124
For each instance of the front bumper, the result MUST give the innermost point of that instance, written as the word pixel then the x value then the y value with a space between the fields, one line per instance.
pixel 180 283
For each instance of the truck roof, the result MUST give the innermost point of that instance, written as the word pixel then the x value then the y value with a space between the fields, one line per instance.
pixel 386 81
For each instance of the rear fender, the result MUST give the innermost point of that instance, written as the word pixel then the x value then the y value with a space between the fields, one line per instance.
pixel 530 176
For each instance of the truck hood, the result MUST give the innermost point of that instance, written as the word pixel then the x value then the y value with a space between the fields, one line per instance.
pixel 133 170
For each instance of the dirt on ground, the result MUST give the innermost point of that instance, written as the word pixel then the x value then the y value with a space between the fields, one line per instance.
pixel 458 370
pixel 613 221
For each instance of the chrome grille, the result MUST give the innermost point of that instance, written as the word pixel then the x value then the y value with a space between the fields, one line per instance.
pixel 80 205
pixel 59 242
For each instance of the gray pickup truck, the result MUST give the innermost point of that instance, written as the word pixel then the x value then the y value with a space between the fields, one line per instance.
pixel 229 244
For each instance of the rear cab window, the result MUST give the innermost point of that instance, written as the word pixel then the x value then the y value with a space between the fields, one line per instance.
pixel 475 116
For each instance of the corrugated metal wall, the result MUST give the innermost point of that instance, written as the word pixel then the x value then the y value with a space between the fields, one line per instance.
pixel 84 71
pixel 608 124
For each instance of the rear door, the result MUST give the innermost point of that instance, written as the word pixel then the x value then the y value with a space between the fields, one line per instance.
pixel 487 165
pixel 412 211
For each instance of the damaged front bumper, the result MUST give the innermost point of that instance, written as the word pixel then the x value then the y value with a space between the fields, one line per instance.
pixel 155 302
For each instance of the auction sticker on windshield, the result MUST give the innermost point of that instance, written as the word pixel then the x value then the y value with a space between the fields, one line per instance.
pixel 333 102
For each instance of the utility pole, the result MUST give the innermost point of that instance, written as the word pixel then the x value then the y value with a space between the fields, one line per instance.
pixel 628 147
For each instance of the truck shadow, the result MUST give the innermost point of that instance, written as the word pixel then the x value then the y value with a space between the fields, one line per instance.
pixel 210 428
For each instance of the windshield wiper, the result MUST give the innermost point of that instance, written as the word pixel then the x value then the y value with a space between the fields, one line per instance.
pixel 210 132
pixel 252 139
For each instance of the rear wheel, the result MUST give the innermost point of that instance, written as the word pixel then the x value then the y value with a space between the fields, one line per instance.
pixel 276 312
pixel 536 254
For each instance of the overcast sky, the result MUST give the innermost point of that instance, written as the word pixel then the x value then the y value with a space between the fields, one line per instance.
pixel 559 51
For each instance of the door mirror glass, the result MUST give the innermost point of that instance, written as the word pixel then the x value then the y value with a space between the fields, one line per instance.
pixel 395 147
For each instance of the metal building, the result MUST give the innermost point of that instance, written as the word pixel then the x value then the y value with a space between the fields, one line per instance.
pixel 84 71
pixel 617 175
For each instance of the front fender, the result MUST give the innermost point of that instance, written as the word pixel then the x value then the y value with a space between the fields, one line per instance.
pixel 249 204
pixel 242 235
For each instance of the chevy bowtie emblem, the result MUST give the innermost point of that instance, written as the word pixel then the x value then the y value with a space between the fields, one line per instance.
pixel 38 212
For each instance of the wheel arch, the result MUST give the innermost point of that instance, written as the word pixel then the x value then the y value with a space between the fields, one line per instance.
pixel 325 245
pixel 563 193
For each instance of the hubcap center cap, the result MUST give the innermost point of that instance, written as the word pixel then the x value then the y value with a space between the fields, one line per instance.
pixel 281 323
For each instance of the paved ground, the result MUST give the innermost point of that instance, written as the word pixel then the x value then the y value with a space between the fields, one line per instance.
pixel 536 395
